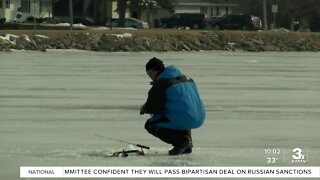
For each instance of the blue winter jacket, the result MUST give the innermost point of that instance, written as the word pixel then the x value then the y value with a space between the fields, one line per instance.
pixel 174 101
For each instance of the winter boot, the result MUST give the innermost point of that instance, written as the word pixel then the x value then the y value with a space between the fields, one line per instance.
pixel 184 148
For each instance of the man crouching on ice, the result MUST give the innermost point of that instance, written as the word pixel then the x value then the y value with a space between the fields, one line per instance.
pixel 175 105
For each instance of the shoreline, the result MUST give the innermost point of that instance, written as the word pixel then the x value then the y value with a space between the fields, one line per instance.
pixel 160 40
pixel 286 53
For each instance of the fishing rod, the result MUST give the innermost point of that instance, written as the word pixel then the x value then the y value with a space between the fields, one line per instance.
pixel 122 141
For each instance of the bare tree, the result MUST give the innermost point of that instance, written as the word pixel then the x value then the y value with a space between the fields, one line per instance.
pixel 265 15
pixel 166 4
pixel 149 5
pixel 101 11
pixel 122 8
pixel 71 13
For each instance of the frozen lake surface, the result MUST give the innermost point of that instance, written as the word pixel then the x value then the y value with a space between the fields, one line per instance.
pixel 52 105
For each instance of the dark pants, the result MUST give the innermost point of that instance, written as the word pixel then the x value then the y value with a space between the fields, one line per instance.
pixel 170 136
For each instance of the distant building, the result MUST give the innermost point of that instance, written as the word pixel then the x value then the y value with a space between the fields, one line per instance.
pixel 20 10
pixel 208 7
pixel 108 8
pixel 103 10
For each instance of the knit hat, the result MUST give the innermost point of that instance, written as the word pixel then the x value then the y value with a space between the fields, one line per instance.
pixel 154 64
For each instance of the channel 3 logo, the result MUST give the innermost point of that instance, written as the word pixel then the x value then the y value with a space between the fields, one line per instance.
pixel 299 155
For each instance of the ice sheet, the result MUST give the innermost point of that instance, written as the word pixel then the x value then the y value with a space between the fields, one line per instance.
pixel 52 105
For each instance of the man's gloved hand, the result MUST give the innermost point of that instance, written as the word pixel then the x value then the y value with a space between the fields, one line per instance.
pixel 142 110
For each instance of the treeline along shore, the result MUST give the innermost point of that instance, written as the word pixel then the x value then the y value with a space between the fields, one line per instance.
pixel 158 40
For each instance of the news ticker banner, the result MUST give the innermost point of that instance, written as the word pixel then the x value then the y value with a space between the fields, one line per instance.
pixel 170 172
